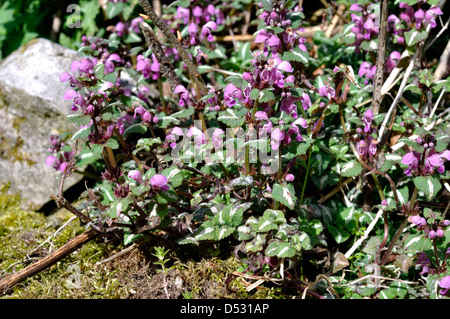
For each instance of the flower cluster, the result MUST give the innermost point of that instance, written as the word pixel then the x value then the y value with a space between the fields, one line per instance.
pixel 124 28
pixel 286 39
pixel 410 18
pixel 366 23
pixel 427 162
pixel 58 158
pixel 432 227
pixel 158 182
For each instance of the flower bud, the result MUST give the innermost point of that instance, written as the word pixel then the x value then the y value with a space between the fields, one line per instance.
pixel 290 177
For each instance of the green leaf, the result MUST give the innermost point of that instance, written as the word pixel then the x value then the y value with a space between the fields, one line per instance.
pixel 285 194
pixel 280 250
pixel 428 184
pixel 414 36
pixel 296 55
pixel 350 169
pixel 138 128
pixel 206 231
pixel 165 197
pixel 417 243
pixel 184 114
pixel 237 80
pixel 256 244
pixel 232 117
pixel 145 144
pixel 224 231
pixel 112 143
pixel 82 133
pixel 113 9
pixel 79 119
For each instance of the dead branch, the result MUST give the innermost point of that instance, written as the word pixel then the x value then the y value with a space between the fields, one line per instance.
pixel 46 262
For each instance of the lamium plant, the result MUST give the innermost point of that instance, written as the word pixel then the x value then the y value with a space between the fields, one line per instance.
pixel 271 149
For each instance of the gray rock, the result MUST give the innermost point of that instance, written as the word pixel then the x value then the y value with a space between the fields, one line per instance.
pixel 31 109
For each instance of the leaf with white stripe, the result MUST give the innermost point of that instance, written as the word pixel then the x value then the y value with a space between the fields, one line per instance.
pixel 280 250
pixel 430 185
pixel 285 194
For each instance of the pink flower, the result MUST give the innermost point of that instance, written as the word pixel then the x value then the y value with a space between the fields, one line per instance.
pixel 277 136
pixel 290 177
pixel 412 160
pixel 159 182
pixel 136 175
pixel 217 138
pixel 206 31
pixel 231 94
pixel 183 95
pixel 444 283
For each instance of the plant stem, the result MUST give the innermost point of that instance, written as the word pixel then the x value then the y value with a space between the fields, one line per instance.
pixel 400 229
pixel 308 168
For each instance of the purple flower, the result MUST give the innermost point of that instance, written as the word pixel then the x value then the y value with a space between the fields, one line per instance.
pixel 147 67
pixel 136 175
pixel 231 94
pixel 135 24
pixel 301 121
pixel 261 115
pixel 412 160
pixel 199 136
pixel 306 101
pixel 183 14
pixel 327 91
pixel 159 182
pixel 288 105
pixel 146 116
pixel 206 31
pixel 217 138
pixel 277 136
pixel 435 161
pixel 109 65
pixel 120 29
pixel 183 94
pixel 367 119
pixel 444 283
pixel 368 71
pixel 431 14
pixel 418 220
pixel 290 178
pixel 193 29
pixel 391 62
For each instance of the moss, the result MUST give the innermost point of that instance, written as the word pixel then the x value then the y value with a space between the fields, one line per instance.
pixel 81 275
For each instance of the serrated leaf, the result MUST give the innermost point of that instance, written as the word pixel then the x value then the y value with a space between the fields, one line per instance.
pixel 414 36
pixel 280 250
pixel 277 216
pixel 113 9
pixel 285 194
pixel 237 80
pixel 256 244
pixel 224 231
pixel 183 114
pixel 296 55
pixel 79 119
pixel 417 243
pixel 206 231
pixel 232 118
pixel 112 143
pixel 245 233
pixel 350 169
pixel 428 184
pixel 138 128
pixel 82 133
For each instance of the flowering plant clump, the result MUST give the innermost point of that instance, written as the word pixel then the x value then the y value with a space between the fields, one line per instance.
pixel 274 149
